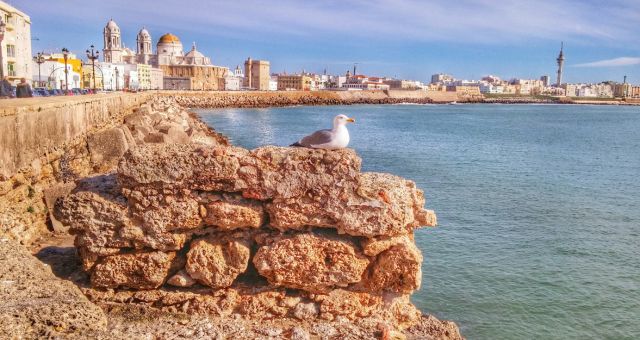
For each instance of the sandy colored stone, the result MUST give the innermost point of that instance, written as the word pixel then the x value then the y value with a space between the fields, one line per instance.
pixel 217 262
pixel 374 246
pixel 234 213
pixel 310 262
pixel 306 311
pixel 181 279
pixel 397 269
pixel 35 303
pixel 106 147
pixel 137 271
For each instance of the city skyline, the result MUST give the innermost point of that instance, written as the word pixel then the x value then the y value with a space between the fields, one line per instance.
pixel 468 40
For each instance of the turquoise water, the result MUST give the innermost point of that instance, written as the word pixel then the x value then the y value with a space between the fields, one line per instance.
pixel 538 207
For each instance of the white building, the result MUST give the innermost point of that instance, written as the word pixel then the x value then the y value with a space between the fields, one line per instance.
pixel 15 47
pixel 113 75
pixel 273 83
pixel 362 82
pixel 50 73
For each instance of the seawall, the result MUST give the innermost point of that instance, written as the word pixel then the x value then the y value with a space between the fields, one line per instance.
pixel 221 99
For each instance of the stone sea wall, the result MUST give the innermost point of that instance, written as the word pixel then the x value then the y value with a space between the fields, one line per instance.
pixel 289 98
pixel 49 143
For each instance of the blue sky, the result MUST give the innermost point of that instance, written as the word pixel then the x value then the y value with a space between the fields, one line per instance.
pixel 402 38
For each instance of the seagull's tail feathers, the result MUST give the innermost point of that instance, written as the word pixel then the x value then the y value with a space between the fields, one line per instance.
pixel 296 144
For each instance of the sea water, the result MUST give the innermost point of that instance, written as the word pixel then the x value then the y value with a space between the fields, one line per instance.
pixel 538 207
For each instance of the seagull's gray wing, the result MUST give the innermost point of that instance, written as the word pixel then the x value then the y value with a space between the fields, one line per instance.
pixel 316 138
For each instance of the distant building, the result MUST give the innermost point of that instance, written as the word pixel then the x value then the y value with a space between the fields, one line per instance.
pixel 157 81
pixel 87 77
pixel 187 71
pixel 257 74
pixel 233 81
pixel 273 83
pixel 397 84
pixel 112 76
pixel 528 86
pixel 545 80
pixel 52 73
pixel 362 82
pixel 294 82
pixel 16 44
pixel 441 78
pixel 623 90
pixel 469 90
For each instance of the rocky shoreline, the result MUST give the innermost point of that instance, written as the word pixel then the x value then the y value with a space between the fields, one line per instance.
pixel 193 237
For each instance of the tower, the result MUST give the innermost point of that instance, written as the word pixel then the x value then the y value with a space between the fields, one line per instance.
pixel 560 61
pixel 143 46
pixel 112 51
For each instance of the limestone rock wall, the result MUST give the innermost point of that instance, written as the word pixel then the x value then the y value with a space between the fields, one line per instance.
pixel 67 140
pixel 274 232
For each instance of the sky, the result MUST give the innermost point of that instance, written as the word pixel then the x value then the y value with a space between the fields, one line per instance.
pixel 406 39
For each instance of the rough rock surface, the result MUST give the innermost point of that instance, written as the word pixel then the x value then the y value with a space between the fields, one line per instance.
pixel 310 262
pixel 273 233
pixel 36 304
pixel 216 261
pixel 137 271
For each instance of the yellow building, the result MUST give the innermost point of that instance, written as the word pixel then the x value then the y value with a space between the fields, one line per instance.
pixel 144 76
pixel 294 83
pixel 87 77
pixel 256 74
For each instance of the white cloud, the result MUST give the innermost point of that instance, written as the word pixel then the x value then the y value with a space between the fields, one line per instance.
pixel 622 61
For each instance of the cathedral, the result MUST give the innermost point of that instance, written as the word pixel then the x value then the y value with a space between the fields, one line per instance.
pixel 190 71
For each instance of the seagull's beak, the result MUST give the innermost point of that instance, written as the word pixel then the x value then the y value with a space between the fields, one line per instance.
pixel 351 120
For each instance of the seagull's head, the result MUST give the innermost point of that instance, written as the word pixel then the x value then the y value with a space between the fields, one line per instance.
pixel 340 120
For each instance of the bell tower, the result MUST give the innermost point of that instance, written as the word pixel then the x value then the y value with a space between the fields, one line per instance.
pixel 112 51
pixel 143 46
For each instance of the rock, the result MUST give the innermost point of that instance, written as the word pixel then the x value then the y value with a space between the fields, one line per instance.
pixel 234 213
pixel 380 205
pixel 51 195
pixel 352 305
pixel 397 269
pixel 137 271
pixel 430 328
pixel 305 311
pixel 299 333
pixel 374 246
pixel 34 303
pixel 310 262
pixel 181 279
pixel 217 262
pixel 106 148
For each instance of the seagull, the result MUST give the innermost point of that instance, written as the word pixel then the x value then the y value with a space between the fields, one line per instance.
pixel 336 138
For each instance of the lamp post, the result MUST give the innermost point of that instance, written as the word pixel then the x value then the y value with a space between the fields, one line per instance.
pixel 39 59
pixel 93 56
pixel 117 75
pixel 3 28
pixel 65 53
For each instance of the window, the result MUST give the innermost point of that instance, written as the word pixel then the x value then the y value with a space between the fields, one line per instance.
pixel 11 51
pixel 11 67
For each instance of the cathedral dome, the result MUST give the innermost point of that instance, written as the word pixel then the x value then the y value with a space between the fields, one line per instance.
pixel 144 33
pixel 168 38
pixel 194 53
pixel 112 25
